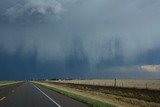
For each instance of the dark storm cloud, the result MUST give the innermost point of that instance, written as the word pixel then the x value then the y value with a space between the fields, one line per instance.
pixel 89 30
pixel 36 10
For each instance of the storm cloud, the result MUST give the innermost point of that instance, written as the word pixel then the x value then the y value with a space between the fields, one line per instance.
pixel 90 31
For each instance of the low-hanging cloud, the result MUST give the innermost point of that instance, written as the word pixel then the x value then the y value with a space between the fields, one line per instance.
pixel 30 9
pixel 90 29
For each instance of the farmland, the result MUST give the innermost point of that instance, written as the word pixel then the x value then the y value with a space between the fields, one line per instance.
pixel 124 92
pixel 130 83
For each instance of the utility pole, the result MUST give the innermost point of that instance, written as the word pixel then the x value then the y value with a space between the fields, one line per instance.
pixel 115 82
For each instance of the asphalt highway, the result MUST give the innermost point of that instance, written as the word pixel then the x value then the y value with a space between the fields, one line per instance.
pixel 27 94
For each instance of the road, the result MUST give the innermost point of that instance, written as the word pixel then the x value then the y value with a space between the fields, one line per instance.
pixel 27 94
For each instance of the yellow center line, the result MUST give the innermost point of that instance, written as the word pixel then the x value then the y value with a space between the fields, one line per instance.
pixel 2 98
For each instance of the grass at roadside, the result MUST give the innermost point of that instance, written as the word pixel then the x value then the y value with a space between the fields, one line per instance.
pixel 141 94
pixel 2 83
pixel 89 101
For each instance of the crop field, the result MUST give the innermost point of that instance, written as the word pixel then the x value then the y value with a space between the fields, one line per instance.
pixel 130 83
pixel 134 92
pixel 130 88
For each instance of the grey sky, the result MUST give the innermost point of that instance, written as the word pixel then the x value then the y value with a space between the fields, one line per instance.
pixel 95 30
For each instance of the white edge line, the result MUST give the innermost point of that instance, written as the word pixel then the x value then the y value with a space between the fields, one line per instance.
pixel 47 96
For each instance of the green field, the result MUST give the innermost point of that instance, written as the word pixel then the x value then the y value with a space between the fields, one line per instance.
pixel 2 83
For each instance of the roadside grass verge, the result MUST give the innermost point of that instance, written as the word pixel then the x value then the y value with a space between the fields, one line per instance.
pixel 148 95
pixel 2 83
pixel 89 101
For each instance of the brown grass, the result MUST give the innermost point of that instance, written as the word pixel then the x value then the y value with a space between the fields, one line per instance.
pixel 107 98
pixel 130 83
